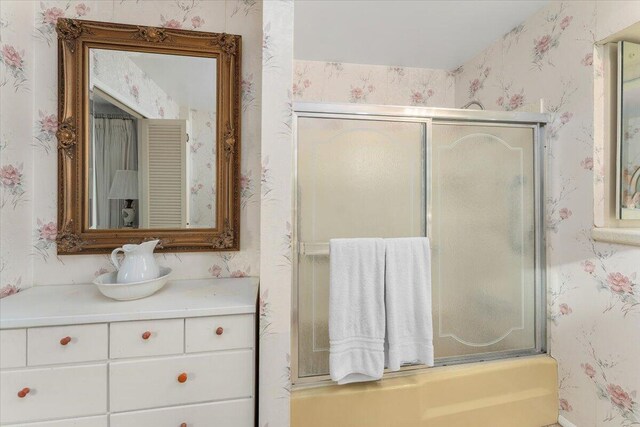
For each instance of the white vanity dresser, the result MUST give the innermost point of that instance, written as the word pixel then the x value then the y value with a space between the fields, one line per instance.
pixel 184 357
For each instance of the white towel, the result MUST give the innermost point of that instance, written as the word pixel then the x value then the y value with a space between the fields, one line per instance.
pixel 408 302
pixel 356 310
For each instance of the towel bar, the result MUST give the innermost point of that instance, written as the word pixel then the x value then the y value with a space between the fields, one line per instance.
pixel 318 248
pixel 314 248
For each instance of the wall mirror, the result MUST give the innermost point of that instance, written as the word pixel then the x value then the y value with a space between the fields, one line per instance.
pixel 149 137
pixel 628 131
pixel 616 136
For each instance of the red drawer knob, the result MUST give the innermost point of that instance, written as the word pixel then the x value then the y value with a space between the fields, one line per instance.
pixel 22 393
pixel 183 425
pixel 146 335
pixel 65 340
pixel 182 378
pixel 219 331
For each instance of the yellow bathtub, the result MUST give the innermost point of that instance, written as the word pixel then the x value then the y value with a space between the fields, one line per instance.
pixel 507 393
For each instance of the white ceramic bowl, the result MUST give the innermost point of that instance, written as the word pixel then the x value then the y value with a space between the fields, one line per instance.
pixel 106 283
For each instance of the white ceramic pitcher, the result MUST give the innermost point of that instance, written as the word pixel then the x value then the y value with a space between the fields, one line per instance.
pixel 138 264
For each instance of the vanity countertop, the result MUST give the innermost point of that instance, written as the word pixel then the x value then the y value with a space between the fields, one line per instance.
pixel 75 304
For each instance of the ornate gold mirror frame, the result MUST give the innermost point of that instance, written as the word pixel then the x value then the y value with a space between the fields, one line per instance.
pixel 75 38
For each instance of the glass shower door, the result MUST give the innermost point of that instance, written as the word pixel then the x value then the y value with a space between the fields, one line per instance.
pixel 355 178
pixel 483 238
pixel 471 187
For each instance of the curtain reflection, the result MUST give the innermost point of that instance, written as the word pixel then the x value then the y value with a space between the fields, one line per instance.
pixel 115 148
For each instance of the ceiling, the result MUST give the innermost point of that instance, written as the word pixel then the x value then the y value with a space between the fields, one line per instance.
pixel 419 33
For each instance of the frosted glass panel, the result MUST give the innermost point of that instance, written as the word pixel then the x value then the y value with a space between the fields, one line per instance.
pixel 483 239
pixel 356 178
pixel 367 178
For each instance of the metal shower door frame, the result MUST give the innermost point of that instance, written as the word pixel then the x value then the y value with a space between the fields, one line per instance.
pixel 427 117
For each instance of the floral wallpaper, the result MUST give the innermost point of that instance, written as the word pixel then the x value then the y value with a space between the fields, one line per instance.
pixel 119 75
pixel 594 308
pixel 202 168
pixel 275 214
pixel 28 154
pixel 16 140
pixel 315 81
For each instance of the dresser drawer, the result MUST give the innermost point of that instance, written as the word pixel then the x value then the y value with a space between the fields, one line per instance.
pixel 152 383
pixel 235 413
pixel 100 421
pixel 66 344
pixel 13 348
pixel 53 393
pixel 219 333
pixel 146 338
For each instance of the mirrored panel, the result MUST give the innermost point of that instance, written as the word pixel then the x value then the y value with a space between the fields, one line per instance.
pixel 152 140
pixel 149 138
pixel 629 131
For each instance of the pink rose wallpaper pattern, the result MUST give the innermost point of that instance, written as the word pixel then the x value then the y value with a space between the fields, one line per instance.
pixel 13 68
pixel 315 81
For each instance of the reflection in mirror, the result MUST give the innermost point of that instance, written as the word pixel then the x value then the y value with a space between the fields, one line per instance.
pixel 629 134
pixel 152 151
